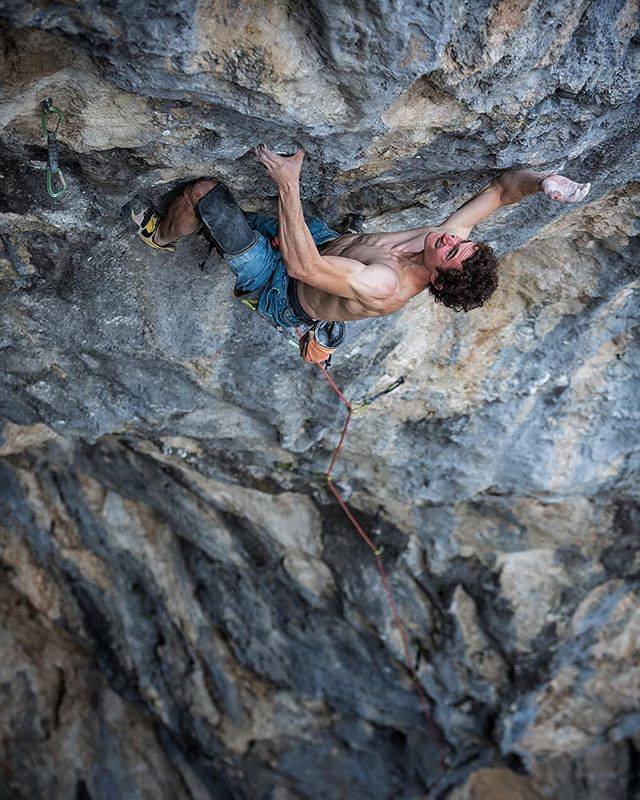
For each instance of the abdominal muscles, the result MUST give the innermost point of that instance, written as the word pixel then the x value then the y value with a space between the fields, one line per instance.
pixel 321 305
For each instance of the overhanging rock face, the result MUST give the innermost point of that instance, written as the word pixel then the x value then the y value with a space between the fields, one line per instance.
pixel 186 613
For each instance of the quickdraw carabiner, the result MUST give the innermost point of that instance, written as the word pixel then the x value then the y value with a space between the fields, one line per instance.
pixel 63 184
pixel 48 109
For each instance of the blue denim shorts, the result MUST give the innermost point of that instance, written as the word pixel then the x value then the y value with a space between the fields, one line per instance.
pixel 260 271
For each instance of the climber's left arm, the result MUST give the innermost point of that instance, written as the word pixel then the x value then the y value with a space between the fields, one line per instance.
pixel 460 223
pixel 509 188
pixel 371 285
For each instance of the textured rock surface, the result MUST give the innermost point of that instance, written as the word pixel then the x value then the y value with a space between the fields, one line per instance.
pixel 185 613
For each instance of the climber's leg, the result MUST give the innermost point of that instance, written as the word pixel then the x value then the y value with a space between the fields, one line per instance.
pixel 268 226
pixel 139 213
pixel 181 218
pixel 225 221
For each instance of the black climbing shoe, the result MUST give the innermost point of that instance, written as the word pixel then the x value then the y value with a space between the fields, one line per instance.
pixel 140 214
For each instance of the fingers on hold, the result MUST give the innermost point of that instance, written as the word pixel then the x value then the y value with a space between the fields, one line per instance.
pixel 580 192
pixel 574 193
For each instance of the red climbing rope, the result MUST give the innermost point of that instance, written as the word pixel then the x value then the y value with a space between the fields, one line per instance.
pixel 377 552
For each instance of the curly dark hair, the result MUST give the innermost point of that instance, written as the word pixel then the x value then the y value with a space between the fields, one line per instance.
pixel 471 286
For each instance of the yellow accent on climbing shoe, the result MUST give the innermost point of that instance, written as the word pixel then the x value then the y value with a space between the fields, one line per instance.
pixel 146 234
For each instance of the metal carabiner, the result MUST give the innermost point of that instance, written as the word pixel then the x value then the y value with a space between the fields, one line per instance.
pixel 47 109
pixel 63 184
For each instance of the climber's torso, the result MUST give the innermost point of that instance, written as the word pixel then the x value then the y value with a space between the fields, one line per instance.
pixel 371 250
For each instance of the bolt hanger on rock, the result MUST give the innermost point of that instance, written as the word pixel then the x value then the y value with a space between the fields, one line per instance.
pixel 49 111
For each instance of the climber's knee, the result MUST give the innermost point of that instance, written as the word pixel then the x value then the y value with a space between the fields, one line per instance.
pixel 225 220
pixel 195 191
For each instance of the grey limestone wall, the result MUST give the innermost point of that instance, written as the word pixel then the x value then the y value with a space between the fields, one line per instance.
pixel 186 611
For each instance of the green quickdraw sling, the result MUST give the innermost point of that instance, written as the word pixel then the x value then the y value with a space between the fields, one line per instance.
pixel 50 132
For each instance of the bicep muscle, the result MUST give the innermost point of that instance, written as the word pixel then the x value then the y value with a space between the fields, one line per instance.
pixel 348 278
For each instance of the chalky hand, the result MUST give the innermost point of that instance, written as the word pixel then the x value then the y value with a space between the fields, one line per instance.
pixel 557 187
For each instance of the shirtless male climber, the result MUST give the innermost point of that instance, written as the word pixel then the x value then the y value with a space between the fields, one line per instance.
pixel 301 274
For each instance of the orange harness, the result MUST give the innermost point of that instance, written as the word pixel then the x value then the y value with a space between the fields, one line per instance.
pixel 312 351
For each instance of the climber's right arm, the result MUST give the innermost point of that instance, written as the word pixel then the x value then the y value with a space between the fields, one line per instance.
pixel 460 223
pixel 336 275
pixel 344 277
pixel 479 207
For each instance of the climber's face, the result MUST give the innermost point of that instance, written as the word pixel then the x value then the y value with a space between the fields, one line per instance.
pixel 443 250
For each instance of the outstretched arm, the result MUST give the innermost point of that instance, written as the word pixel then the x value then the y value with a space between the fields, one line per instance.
pixel 344 277
pixel 479 207
pixel 509 188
